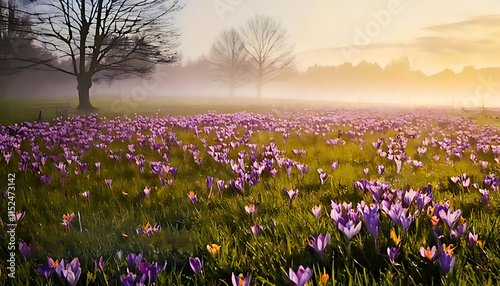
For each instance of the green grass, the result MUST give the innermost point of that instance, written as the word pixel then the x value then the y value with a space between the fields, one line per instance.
pixel 187 228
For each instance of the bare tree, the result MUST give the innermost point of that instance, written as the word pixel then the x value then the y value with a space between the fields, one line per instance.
pixel 266 43
pixel 229 58
pixel 107 39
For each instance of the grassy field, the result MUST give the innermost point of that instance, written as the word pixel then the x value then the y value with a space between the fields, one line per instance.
pixel 114 216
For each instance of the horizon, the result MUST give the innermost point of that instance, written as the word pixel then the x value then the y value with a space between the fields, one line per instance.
pixel 451 35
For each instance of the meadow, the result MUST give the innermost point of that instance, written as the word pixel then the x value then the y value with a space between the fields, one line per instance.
pixel 281 194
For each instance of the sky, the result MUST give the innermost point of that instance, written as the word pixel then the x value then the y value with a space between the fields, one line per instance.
pixel 434 35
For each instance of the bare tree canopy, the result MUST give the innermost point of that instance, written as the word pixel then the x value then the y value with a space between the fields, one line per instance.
pixel 106 39
pixel 266 44
pixel 229 58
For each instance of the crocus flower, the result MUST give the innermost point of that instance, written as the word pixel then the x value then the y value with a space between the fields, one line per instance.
pixel 292 194
pixel 192 196
pixel 98 166
pixel 256 229
pixel 128 279
pixel 221 185
pixel 213 249
pixel 210 183
pixel 449 217
pixel 147 192
pixel 301 277
pixel 69 272
pixel 456 233
pixel 446 259
pixel 241 280
pixel 380 169
pixel 335 165
pixel 100 263
pixel 150 271
pixel 108 182
pixel 319 243
pixel 250 209
pixel 302 168
pixel 48 268
pixel 322 176
pixel 366 171
pixel 316 210
pixel 473 238
pixel 119 255
pixel 324 277
pixel 25 250
pixel 196 264
pixel 372 220
pixel 428 252
pixel 68 219
pixel 86 194
pixel 485 193
pixel 349 229
pixel 392 252
pixel 423 199
pixel 133 260
pixel 17 217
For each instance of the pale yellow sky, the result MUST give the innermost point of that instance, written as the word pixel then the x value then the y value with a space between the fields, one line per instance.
pixel 433 34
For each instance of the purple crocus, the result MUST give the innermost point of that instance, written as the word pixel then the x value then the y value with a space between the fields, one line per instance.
pixel 392 252
pixel 366 171
pixel 301 277
pixel 147 192
pixel 457 233
pixel 133 260
pixel 196 264
pixel 69 272
pixel 86 194
pixel 473 238
pixel 322 176
pixel 128 279
pixel 48 268
pixel 446 260
pixel 256 229
pixel 98 166
pixel 45 179
pixel 486 194
pixel 100 263
pixel 250 209
pixel 449 217
pixel 349 229
pixel 291 194
pixel 221 185
pixel 316 210
pixel 25 250
pixel 380 169
pixel 319 243
pixel 335 165
pixel 68 219
pixel 372 220
pixel 423 199
pixel 108 182
pixel 192 196
pixel 428 252
pixel 210 183
pixel 241 280
pixel 302 168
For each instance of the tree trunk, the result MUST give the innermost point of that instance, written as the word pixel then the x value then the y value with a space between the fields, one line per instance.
pixel 84 85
